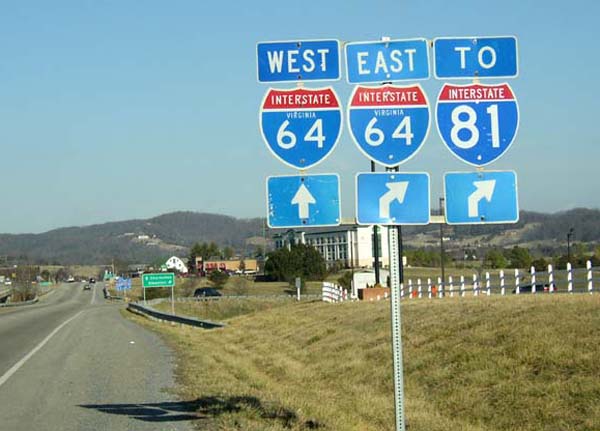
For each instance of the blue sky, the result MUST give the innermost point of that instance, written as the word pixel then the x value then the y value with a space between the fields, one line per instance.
pixel 111 110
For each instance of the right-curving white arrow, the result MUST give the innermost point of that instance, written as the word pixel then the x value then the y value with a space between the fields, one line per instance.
pixel 303 198
pixel 396 191
pixel 484 189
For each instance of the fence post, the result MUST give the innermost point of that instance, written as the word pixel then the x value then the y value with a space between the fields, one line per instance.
pixel 475 287
pixel 401 290
pixel 550 278
pixel 410 288
pixel 590 284
pixel 429 287
pixel 502 288
pixel 462 285
pixel 569 277
pixel 419 288
pixel 488 286
pixel 532 270
pixel 451 286
pixel 440 292
pixel 517 282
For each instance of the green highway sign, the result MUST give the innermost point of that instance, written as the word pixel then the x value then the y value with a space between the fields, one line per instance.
pixel 164 279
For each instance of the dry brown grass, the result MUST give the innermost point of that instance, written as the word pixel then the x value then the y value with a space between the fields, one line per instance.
pixel 477 364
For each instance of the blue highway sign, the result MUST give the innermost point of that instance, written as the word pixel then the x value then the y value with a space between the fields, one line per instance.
pixel 470 57
pixel 309 60
pixel 392 198
pixel 303 200
pixel 301 126
pixel 387 61
pixel 478 123
pixel 389 123
pixel 481 197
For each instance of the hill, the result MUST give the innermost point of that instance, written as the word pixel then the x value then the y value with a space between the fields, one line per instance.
pixel 144 241
pixel 131 240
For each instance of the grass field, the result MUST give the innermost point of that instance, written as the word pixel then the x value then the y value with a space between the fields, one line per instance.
pixel 471 364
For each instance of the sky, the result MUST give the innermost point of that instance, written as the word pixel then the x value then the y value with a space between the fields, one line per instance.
pixel 112 109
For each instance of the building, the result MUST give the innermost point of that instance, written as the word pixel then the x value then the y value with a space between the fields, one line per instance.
pixel 239 266
pixel 177 264
pixel 347 245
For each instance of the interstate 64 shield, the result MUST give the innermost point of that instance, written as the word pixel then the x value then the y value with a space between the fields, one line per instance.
pixel 301 126
pixel 477 122
pixel 389 123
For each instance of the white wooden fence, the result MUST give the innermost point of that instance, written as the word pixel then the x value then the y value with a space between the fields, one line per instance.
pixel 568 281
pixel 331 292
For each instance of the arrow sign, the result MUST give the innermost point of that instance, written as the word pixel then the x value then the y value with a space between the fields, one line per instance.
pixel 481 197
pixel 392 198
pixel 396 192
pixel 303 198
pixel 485 189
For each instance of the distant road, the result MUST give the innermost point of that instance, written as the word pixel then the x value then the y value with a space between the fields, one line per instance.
pixel 72 362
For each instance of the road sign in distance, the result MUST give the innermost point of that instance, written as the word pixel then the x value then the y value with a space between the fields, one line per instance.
pixel 303 200
pixel 389 123
pixel 301 126
pixel 387 61
pixel 308 60
pixel 475 57
pixel 481 197
pixel 161 279
pixel 477 122
pixel 392 198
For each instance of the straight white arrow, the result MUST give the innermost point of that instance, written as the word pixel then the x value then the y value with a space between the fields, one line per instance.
pixel 396 191
pixel 484 189
pixel 303 198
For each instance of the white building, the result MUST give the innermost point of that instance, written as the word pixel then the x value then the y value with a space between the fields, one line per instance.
pixel 177 264
pixel 347 245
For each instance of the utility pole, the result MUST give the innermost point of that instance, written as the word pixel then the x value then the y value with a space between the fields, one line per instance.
pixel 569 236
pixel 375 243
pixel 442 287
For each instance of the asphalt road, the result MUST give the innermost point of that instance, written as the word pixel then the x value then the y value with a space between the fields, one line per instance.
pixel 72 362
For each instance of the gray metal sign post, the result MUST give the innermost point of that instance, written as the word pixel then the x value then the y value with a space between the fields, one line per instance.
pixel 395 280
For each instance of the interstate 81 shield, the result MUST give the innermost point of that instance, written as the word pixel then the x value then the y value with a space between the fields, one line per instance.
pixel 389 123
pixel 477 122
pixel 301 126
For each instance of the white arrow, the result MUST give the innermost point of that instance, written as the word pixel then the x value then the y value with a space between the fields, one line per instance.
pixel 396 191
pixel 303 198
pixel 485 189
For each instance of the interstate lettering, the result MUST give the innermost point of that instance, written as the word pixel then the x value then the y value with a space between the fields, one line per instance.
pixel 477 93
pixel 391 96
pixel 282 99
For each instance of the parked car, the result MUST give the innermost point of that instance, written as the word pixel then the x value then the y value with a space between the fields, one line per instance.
pixel 539 288
pixel 92 280
pixel 206 292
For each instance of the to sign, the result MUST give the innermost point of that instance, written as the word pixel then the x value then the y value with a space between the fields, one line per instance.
pixel 161 279
pixel 477 122
pixel 301 126
pixel 311 60
pixel 389 123
pixel 470 57
pixel 386 61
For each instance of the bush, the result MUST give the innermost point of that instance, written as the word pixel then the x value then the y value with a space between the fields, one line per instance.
pixel 218 278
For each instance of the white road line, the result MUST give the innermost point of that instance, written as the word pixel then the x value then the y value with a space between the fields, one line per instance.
pixel 93 295
pixel 28 356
